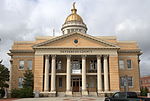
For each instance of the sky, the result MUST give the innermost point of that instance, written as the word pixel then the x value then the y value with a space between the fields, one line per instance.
pixel 23 20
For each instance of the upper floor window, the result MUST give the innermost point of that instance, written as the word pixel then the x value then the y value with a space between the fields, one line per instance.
pixel 121 64
pixel 59 65
pixel 21 64
pixel 20 82
pixel 93 65
pixel 29 65
pixel 129 64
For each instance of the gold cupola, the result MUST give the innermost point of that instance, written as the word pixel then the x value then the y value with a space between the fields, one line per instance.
pixel 74 16
pixel 73 23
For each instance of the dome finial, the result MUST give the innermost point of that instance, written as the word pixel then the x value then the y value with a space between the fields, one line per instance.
pixel 74 10
pixel 74 5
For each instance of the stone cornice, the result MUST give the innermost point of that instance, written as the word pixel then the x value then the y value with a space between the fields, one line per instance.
pixel 131 51
pixel 76 33
pixel 55 47
pixel 21 51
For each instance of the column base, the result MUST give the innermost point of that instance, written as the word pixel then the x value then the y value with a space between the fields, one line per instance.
pixel 68 93
pixel 85 93
pixel 104 93
pixel 48 94
pixel 52 94
pixel 100 94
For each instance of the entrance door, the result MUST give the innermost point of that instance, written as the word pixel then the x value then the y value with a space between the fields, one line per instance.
pixel 76 86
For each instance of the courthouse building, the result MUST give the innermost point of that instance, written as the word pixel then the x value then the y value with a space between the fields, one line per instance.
pixel 76 62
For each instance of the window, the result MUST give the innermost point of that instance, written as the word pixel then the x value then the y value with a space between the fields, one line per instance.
pixel 121 64
pixel 130 81
pixel 20 82
pixel 21 64
pixel 122 80
pixel 59 63
pixel 91 83
pixel 30 65
pixel 93 65
pixel 75 41
pixel 129 64
pixel 60 82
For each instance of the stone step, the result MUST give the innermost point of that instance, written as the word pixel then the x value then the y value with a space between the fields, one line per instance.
pixel 93 94
pixel 76 94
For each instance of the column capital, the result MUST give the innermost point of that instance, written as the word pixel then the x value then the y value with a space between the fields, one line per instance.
pixel 53 56
pixel 46 56
pixel 105 56
pixel 99 56
pixel 68 56
pixel 83 56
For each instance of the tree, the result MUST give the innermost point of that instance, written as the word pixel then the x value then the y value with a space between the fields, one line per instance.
pixel 28 79
pixel 4 77
pixel 144 91
pixel 27 90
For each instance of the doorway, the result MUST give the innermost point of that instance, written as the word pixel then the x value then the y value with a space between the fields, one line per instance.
pixel 76 84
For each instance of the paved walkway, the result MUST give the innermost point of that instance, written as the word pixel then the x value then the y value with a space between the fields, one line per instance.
pixel 63 99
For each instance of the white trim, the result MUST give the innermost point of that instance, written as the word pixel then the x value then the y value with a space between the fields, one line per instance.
pixel 22 56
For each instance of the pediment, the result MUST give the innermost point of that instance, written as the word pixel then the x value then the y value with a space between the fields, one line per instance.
pixel 76 40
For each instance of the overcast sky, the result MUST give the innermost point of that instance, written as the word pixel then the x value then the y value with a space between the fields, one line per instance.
pixel 126 19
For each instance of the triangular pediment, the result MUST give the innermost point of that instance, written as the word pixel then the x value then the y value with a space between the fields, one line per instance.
pixel 76 40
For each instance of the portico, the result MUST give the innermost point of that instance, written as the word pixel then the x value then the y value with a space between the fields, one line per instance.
pixel 76 67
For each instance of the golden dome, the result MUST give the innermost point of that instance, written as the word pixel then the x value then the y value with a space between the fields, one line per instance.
pixel 74 16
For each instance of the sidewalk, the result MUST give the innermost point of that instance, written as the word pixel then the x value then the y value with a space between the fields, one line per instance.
pixel 63 99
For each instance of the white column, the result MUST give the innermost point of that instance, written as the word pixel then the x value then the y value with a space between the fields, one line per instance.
pixel 68 77
pixel 46 79
pixel 84 90
pixel 106 82
pixel 68 80
pixel 99 74
pixel 53 73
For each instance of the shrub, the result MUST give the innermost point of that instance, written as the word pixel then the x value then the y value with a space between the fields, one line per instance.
pixel 144 91
pixel 15 93
pixel 22 93
pixel 2 93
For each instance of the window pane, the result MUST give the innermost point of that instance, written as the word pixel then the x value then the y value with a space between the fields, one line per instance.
pixel 30 65
pixel 122 79
pixel 58 66
pixel 93 65
pixel 60 82
pixel 20 83
pixel 129 63
pixel 130 81
pixel 91 83
pixel 21 64
pixel 121 64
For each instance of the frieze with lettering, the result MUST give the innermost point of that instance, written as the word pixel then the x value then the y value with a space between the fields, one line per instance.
pixel 76 51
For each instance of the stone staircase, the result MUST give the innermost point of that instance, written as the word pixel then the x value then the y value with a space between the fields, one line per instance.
pixel 93 94
pixel 76 94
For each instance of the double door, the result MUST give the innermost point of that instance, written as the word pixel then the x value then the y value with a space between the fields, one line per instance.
pixel 76 84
